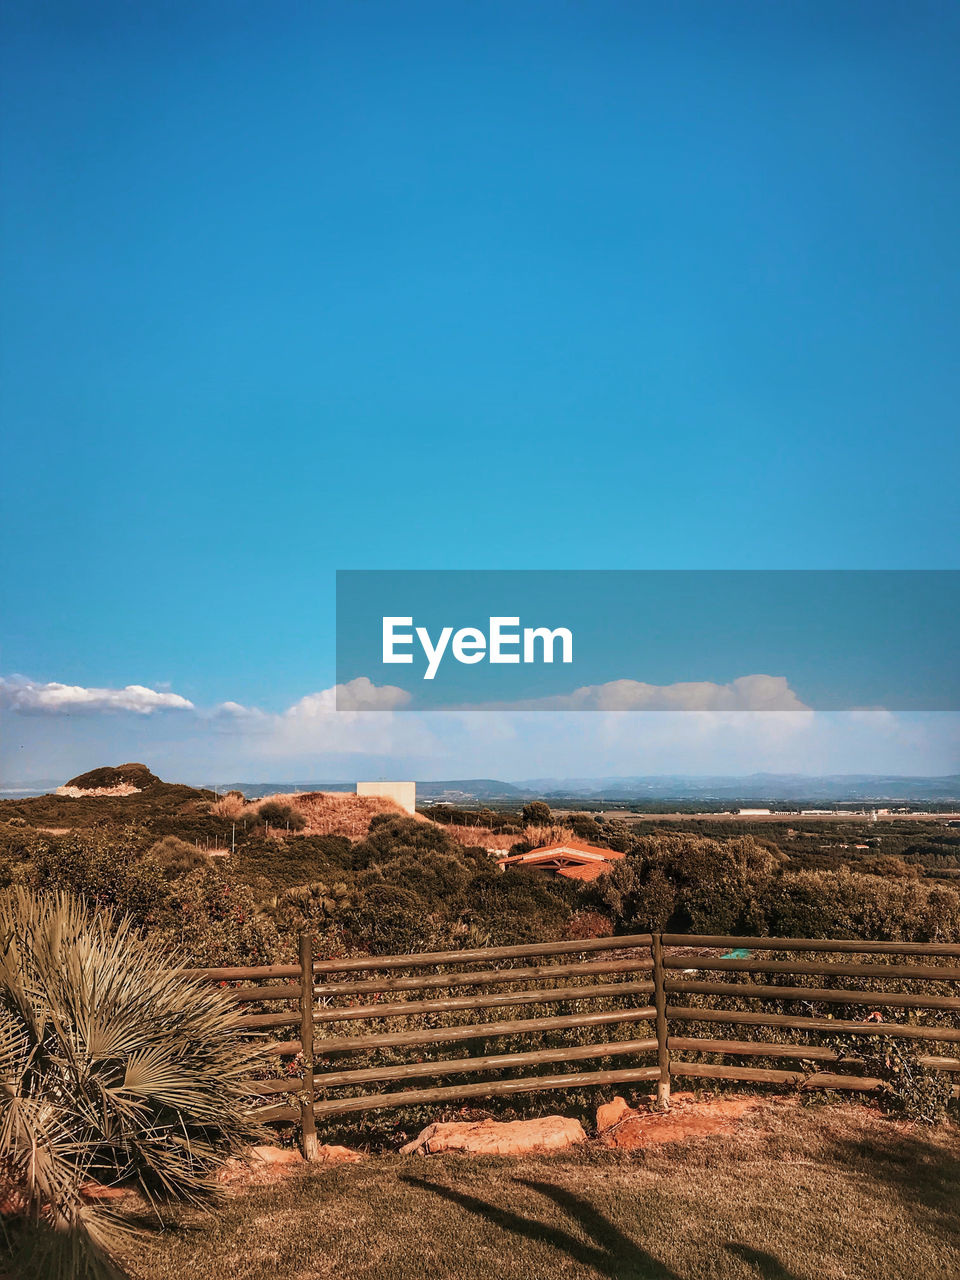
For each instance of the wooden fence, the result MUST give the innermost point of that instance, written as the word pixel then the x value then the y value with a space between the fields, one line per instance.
pixel 653 973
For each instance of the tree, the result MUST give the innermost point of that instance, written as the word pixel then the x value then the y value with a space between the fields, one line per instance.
pixel 536 814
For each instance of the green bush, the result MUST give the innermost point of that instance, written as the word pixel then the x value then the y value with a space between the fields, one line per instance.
pixel 390 836
pixel 388 920
pixel 911 1090
pixel 846 904
pixel 276 814
pixel 517 905
pixel 173 857
pixel 697 884
pixel 105 868
pixel 689 883
pixel 211 922
pixel 283 864
pixel 536 814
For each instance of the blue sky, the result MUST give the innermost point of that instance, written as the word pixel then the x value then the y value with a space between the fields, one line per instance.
pixel 543 285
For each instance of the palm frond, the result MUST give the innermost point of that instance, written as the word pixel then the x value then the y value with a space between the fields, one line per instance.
pixel 114 1067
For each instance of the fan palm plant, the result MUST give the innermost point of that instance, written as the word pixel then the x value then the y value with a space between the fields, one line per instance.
pixel 114 1069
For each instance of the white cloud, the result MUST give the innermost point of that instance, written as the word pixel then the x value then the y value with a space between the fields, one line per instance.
pixel 356 717
pixel 352 718
pixel 52 698
pixel 720 730
pixel 746 693
pixel 360 694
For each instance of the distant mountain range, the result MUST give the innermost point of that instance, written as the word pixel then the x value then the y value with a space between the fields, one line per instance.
pixel 681 787
pixel 756 787
pixel 766 786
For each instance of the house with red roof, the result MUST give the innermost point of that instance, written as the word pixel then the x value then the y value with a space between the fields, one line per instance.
pixel 570 858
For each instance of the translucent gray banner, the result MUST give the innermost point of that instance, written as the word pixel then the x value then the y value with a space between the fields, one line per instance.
pixel 648 640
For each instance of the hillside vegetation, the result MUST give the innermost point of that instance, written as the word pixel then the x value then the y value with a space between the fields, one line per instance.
pixel 230 881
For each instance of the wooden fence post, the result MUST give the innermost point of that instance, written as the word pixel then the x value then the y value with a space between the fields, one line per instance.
pixel 308 1122
pixel 660 1004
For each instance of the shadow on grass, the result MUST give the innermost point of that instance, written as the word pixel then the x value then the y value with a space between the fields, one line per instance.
pixel 925 1175
pixel 769 1266
pixel 614 1255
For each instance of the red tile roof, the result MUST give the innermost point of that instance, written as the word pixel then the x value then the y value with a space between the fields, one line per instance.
pixel 571 858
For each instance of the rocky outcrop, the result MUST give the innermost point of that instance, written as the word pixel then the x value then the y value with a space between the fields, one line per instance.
pixel 108 778
pixel 498 1138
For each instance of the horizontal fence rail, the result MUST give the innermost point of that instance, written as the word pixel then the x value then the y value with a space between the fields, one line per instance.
pixel 676 984
pixel 502 1088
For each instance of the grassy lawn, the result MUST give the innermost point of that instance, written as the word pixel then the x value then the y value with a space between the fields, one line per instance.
pixel 820 1193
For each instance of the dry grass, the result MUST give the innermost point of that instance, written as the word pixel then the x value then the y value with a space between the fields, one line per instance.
pixel 503 841
pixel 345 814
pixel 326 812
pixel 232 805
pixel 335 812
pixel 825 1193
pixel 552 833
pixel 499 841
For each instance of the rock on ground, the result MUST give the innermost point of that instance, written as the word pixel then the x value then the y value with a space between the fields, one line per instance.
pixel 275 1155
pixel 498 1138
pixel 338 1155
pixel 629 1128
pixel 266 1164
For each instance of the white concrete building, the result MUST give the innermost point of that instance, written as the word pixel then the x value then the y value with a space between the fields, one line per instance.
pixel 402 793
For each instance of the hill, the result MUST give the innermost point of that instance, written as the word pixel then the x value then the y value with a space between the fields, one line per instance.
pixel 108 777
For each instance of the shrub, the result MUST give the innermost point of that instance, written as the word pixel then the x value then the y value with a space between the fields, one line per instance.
pixel 275 814
pixel 173 857
pixel 211 922
pixel 690 883
pixel 845 904
pixel 636 901
pixel 390 836
pixel 388 920
pixel 912 1091
pixel 585 827
pixel 316 905
pixel 436 877
pixel 589 924
pixel 115 1068
pixel 287 863
pixel 518 905
pixel 107 869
